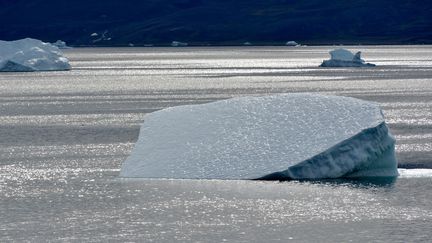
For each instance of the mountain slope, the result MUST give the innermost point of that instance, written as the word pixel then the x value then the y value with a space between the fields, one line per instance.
pixel 218 22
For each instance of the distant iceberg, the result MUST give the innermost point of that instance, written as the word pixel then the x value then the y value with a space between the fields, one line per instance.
pixel 287 136
pixel 344 58
pixel 61 44
pixel 27 55
pixel 292 43
pixel 178 43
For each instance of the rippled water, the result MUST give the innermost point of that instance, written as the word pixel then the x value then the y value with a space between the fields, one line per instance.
pixel 64 135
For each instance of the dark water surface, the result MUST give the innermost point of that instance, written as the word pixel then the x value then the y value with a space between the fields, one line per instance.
pixel 64 135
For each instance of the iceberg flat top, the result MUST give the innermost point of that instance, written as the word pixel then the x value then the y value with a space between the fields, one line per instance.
pixel 248 137
pixel 31 55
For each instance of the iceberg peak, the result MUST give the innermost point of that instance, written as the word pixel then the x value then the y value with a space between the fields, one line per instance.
pixel 61 44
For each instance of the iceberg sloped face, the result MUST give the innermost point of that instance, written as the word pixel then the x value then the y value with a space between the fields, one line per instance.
pixel 344 58
pixel 31 55
pixel 284 136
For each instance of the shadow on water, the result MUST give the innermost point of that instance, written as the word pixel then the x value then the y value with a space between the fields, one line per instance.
pixel 365 182
pixel 353 182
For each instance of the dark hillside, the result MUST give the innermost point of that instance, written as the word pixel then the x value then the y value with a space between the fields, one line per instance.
pixel 218 22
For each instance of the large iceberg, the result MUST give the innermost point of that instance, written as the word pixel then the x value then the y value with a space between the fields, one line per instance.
pixel 344 58
pixel 287 136
pixel 31 55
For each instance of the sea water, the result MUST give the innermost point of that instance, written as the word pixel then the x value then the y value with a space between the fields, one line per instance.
pixel 64 136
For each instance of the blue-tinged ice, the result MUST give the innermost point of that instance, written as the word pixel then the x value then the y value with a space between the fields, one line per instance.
pixel 31 55
pixel 344 58
pixel 297 136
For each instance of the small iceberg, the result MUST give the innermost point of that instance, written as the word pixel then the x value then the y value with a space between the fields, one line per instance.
pixel 292 43
pixel 344 58
pixel 178 43
pixel 287 136
pixel 61 44
pixel 28 55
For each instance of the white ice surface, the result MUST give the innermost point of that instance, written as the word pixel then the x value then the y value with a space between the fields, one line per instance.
pixel 292 135
pixel 31 55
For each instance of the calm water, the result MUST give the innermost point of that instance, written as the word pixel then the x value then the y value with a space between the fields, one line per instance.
pixel 64 135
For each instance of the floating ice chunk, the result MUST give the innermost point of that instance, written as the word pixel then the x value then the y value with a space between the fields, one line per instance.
pixel 94 34
pixel 292 43
pixel 31 55
pixel 178 43
pixel 272 137
pixel 247 43
pixel 344 58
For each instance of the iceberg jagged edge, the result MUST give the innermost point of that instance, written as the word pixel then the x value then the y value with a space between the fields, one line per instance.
pixel 366 154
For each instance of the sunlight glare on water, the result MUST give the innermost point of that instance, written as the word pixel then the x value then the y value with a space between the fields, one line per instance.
pixel 64 135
